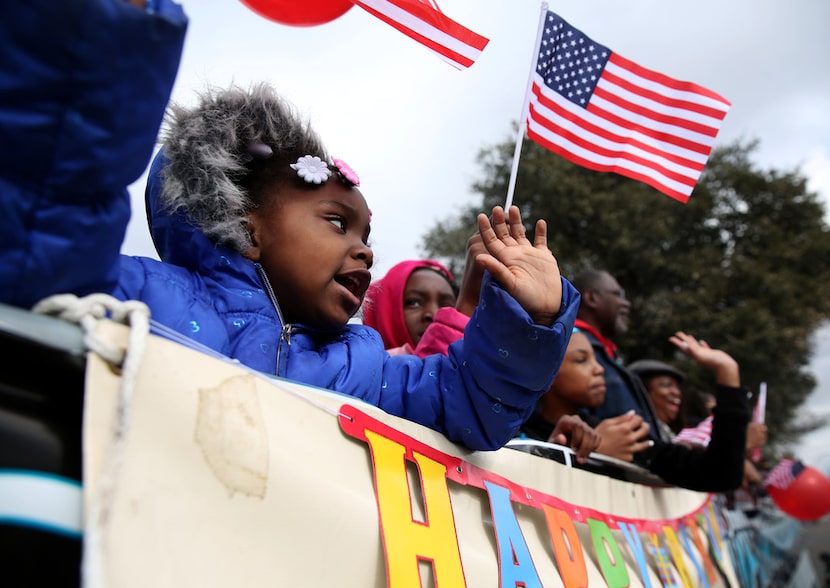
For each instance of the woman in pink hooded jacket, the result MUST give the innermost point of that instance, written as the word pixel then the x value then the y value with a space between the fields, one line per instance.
pixel 417 308
pixel 413 307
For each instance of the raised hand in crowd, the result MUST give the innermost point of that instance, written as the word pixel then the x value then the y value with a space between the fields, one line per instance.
pixel 527 271
pixel 721 364
pixel 756 436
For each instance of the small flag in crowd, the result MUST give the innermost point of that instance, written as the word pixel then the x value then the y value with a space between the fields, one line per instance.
pixel 605 112
pixel 423 22
pixel 759 415
pixel 698 435
pixel 784 474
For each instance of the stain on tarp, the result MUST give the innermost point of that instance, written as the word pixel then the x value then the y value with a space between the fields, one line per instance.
pixel 231 433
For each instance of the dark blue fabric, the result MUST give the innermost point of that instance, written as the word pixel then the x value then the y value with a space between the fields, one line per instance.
pixel 74 134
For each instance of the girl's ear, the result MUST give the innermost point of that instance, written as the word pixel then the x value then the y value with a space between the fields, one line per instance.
pixel 252 227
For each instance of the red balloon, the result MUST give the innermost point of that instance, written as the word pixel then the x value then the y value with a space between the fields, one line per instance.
pixel 299 13
pixel 807 498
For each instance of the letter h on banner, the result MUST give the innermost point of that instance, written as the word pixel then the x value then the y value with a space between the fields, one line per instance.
pixel 407 541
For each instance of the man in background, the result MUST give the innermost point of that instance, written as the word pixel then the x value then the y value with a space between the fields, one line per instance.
pixel 603 315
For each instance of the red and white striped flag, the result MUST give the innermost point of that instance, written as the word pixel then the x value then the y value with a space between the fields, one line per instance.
pixel 605 112
pixel 699 435
pixel 423 22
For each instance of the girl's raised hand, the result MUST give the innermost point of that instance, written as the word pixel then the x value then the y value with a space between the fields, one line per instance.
pixel 527 271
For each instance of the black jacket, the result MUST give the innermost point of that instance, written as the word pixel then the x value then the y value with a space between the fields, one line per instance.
pixel 720 466
pixel 717 468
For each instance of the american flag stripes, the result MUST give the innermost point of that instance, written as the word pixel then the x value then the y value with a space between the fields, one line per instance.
pixel 784 474
pixel 605 112
pixel 426 24
pixel 699 435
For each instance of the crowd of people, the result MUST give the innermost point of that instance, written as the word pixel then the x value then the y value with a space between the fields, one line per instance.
pixel 262 235
pixel 596 403
pixel 264 258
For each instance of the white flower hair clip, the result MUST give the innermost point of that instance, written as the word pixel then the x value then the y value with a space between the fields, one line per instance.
pixel 312 169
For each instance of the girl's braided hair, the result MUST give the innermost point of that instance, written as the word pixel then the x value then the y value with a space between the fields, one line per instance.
pixel 218 169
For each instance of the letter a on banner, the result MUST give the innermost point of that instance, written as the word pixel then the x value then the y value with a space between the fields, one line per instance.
pixel 405 540
pixel 715 534
pixel 515 564
pixel 665 570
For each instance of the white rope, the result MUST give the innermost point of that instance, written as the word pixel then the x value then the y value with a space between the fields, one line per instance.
pixel 87 312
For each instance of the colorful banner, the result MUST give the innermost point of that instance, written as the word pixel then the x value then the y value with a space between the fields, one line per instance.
pixel 409 540
pixel 205 473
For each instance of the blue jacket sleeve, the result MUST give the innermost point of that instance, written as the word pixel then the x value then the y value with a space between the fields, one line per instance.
pixel 481 393
pixel 85 85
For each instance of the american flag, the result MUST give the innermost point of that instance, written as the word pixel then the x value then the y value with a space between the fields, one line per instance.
pixel 605 112
pixel 699 435
pixel 424 22
pixel 784 474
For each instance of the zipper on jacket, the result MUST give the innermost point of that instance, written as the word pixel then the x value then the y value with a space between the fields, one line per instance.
pixel 285 334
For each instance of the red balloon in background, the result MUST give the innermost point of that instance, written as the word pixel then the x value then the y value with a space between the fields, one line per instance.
pixel 807 498
pixel 299 13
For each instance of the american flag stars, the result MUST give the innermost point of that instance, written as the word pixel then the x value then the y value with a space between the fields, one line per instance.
pixel 569 61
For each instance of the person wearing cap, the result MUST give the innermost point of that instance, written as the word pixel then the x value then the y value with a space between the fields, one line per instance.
pixel 662 382
pixel 718 466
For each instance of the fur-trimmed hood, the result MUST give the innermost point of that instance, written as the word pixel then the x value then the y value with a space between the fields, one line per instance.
pixel 197 193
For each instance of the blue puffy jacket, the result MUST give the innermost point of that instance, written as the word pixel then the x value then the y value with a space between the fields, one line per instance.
pixel 478 395
pixel 83 88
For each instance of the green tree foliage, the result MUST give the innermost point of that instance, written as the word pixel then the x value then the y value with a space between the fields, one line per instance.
pixel 744 265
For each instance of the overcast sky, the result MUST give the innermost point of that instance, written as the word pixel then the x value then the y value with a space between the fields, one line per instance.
pixel 411 125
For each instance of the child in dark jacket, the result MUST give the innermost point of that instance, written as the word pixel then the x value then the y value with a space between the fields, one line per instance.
pixel 264 246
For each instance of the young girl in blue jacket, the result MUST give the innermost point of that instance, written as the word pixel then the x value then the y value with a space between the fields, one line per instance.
pixel 264 247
